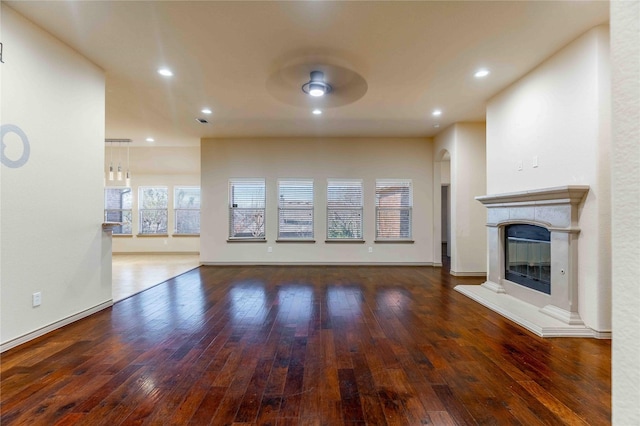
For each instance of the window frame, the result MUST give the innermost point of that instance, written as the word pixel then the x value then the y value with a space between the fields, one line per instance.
pixel 142 209
pixel 301 182
pixel 233 208
pixel 390 183
pixel 360 209
pixel 116 229
pixel 176 209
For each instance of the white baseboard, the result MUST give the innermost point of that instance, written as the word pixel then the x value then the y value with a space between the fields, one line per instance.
pixel 49 328
pixel 468 274
pixel 172 253
pixel 316 264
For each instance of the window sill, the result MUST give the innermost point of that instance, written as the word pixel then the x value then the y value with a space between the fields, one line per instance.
pixel 394 241
pixel 345 241
pixel 185 235
pixel 152 235
pixel 123 235
pixel 246 240
pixel 293 240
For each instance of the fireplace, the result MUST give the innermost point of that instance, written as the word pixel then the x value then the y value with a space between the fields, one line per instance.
pixel 533 259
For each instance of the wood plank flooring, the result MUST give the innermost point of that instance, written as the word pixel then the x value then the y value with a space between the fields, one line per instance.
pixel 321 345
pixel 136 272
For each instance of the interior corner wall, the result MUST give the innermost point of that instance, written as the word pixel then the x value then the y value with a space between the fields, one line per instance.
pixel 465 142
pixel 167 167
pixel 557 117
pixel 53 103
pixel 318 158
pixel 625 54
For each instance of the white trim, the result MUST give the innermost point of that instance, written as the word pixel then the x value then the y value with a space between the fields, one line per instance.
pixel 54 326
pixel 525 314
pixel 302 263
pixel 468 274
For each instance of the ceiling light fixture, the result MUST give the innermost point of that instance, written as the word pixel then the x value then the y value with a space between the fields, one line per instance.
pixel 111 161
pixel 127 176
pixel 436 125
pixel 317 111
pixel 119 174
pixel 206 111
pixel 436 113
pixel 316 85
pixel 481 73
pixel 166 72
pixel 150 139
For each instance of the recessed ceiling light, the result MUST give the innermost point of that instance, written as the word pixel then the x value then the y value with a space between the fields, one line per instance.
pixel 202 120
pixel 206 111
pixel 481 73
pixel 150 139
pixel 316 86
pixel 317 111
pixel 436 125
pixel 436 113
pixel 165 72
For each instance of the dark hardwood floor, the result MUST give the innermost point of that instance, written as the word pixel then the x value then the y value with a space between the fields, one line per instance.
pixel 321 345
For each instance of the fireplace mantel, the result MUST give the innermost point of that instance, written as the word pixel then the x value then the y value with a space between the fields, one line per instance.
pixel 572 194
pixel 555 209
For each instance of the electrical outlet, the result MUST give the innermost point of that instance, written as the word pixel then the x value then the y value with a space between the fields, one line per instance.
pixel 269 249
pixel 370 249
pixel 36 299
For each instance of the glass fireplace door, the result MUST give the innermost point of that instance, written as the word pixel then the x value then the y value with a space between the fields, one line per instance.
pixel 528 256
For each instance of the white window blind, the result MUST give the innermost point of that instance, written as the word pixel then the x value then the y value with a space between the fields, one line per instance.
pixel 247 201
pixel 394 200
pixel 117 208
pixel 344 209
pixel 295 209
pixel 186 202
pixel 154 203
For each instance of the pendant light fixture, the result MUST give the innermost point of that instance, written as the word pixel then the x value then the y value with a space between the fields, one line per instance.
pixel 118 175
pixel 127 180
pixel 316 86
pixel 111 161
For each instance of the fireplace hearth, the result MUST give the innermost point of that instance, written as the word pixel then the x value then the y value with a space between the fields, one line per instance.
pixel 533 260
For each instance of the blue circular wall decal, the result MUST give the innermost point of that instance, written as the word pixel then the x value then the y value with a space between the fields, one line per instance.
pixel 26 149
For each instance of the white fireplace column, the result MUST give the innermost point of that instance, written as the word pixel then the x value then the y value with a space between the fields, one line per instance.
pixel 555 209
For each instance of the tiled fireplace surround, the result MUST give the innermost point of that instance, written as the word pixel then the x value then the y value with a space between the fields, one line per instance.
pixel 555 209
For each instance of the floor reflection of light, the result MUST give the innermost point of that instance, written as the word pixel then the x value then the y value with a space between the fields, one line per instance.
pixel 248 303
pixel 148 384
pixel 344 302
pixel 393 298
pixel 296 301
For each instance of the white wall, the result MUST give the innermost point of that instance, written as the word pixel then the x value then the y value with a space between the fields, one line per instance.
pixel 465 143
pixel 52 240
pixel 625 53
pixel 319 159
pixel 559 114
pixel 156 166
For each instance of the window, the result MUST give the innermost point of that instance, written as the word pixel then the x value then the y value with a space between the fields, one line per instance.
pixel 394 200
pixel 186 203
pixel 247 200
pixel 153 210
pixel 295 209
pixel 117 208
pixel 344 209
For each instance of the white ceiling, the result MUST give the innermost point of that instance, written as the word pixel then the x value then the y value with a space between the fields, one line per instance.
pixel 414 57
